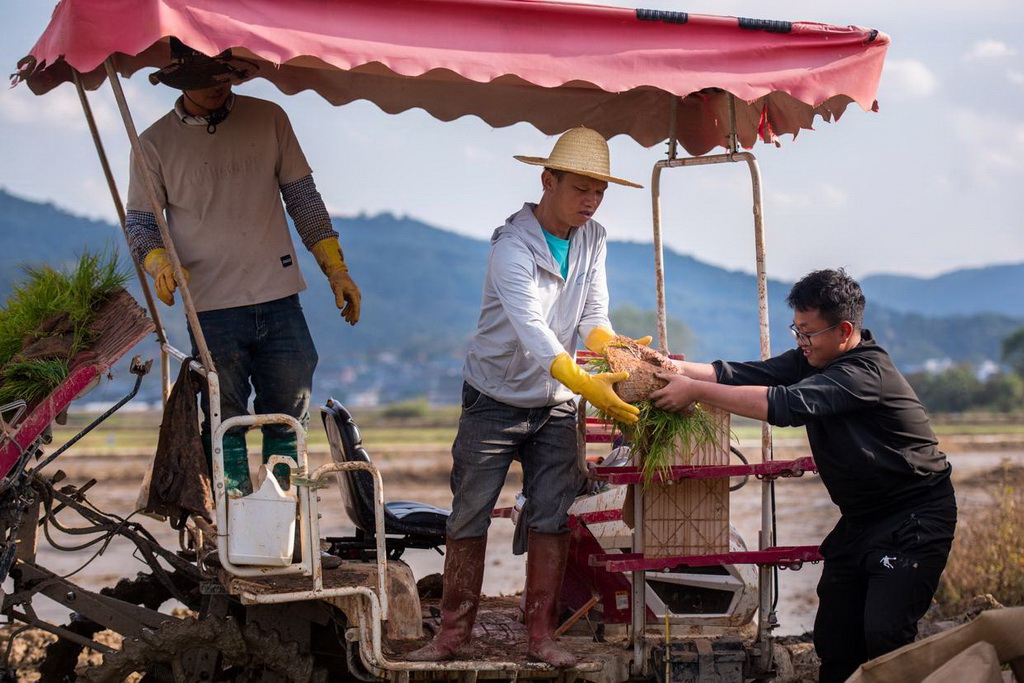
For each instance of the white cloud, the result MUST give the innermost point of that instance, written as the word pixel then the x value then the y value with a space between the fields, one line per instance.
pixel 820 196
pixel 834 197
pixel 1015 77
pixel 994 145
pixel 909 77
pixel 990 50
pixel 788 199
pixel 61 108
pixel 478 154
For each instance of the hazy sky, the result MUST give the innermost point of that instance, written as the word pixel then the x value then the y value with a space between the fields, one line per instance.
pixel 931 183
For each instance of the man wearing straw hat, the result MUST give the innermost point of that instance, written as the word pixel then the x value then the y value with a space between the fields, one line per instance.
pixel 544 288
pixel 221 164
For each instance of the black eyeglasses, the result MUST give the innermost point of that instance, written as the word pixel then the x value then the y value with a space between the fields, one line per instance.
pixel 804 338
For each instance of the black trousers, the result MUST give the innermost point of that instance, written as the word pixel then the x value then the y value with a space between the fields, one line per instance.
pixel 878 581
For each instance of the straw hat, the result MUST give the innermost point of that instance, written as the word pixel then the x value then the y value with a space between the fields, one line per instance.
pixel 193 70
pixel 582 151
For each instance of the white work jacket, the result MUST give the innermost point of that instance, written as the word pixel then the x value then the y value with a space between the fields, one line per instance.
pixel 530 314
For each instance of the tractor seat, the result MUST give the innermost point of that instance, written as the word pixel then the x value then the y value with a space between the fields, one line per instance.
pixel 420 525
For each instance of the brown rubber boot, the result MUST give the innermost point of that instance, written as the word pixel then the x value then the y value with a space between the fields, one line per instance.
pixel 545 567
pixel 463 576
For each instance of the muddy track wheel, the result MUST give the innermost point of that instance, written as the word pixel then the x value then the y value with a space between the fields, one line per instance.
pixel 62 655
pixel 242 654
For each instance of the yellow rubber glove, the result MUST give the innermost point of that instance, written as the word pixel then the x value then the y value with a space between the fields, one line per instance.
pixel 158 264
pixel 599 337
pixel 346 294
pixel 597 389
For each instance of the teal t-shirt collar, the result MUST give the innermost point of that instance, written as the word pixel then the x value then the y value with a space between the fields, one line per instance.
pixel 559 249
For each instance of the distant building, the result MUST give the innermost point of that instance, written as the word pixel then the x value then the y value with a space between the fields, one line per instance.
pixel 986 369
pixel 937 366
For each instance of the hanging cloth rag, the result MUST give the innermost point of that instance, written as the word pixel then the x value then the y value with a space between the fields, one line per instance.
pixel 180 484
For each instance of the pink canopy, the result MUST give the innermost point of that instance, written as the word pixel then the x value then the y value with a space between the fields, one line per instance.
pixel 551 64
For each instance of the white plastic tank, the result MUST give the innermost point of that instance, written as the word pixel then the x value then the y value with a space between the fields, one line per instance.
pixel 261 526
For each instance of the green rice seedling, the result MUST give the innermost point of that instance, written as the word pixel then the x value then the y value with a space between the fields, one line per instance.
pixel 94 278
pixel 30 302
pixel 658 435
pixel 31 379
pixel 599 364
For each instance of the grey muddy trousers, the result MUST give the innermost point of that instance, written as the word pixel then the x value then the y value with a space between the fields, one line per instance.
pixel 491 435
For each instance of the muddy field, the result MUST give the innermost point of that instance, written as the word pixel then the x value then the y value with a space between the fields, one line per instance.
pixel 416 472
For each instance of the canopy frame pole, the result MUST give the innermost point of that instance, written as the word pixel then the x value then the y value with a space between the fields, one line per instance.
pixel 147 293
pixel 733 137
pixel 766 616
pixel 767 575
pixel 161 222
pixel 767 620
pixel 673 132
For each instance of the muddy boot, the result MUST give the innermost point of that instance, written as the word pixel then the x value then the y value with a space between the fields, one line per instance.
pixel 545 568
pixel 463 576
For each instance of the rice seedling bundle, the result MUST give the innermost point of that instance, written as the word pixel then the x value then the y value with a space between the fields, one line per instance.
pixel 45 323
pixel 691 516
pixel 659 439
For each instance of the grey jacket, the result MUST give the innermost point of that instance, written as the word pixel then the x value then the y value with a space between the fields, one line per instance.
pixel 530 315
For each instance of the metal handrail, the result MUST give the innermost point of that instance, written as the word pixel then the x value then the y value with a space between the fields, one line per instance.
pixel 310 539
pixel 310 563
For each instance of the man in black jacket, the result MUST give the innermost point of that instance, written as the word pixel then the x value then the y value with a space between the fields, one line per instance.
pixel 877 456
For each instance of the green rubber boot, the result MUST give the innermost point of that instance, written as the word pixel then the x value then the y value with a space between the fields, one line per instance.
pixel 236 464
pixel 281 444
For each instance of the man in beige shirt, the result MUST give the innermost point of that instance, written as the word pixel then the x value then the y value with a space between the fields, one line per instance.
pixel 221 164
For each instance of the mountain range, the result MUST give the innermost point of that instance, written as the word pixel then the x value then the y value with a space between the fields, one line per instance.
pixel 421 296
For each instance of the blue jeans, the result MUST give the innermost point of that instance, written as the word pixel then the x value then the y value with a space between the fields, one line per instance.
pixel 491 435
pixel 266 347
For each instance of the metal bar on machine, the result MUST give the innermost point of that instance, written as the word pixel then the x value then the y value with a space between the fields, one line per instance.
pixel 182 357
pixel 766 537
pixel 140 370
pixel 378 518
pixel 659 258
pixel 639 578
pixel 787 556
pixel 770 469
pixel 639 584
pixel 161 222
pixel 766 617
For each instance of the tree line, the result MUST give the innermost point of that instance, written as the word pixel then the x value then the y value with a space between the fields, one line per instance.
pixel 959 389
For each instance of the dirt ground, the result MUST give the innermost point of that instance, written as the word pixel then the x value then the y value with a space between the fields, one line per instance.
pixel 804 515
